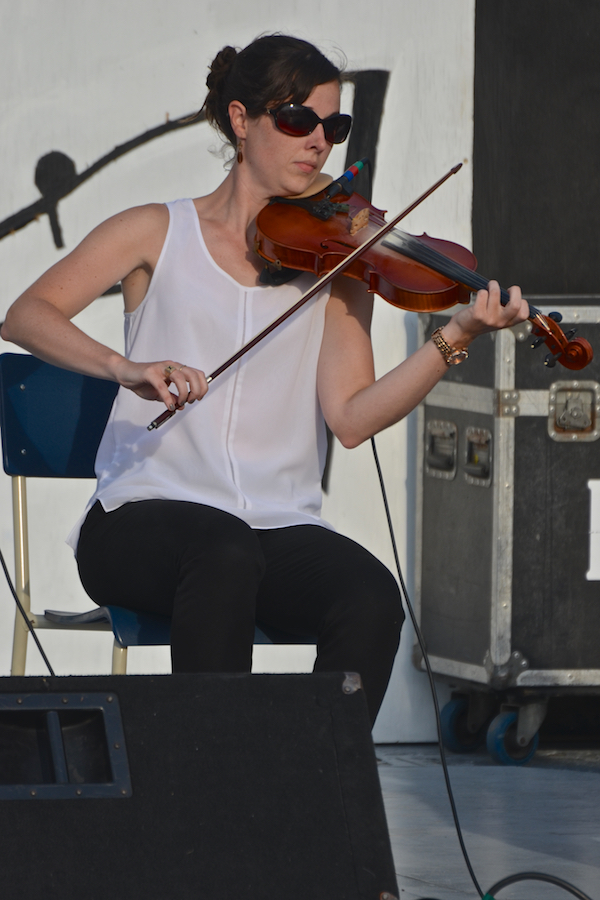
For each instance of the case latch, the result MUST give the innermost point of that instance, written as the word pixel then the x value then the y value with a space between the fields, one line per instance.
pixel 574 411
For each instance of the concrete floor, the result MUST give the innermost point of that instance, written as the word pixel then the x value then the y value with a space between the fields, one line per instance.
pixel 543 817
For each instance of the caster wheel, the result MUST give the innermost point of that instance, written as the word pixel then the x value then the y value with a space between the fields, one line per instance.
pixel 455 734
pixel 502 741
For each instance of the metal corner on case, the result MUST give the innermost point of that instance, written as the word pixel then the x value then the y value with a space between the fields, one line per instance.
pixel 506 674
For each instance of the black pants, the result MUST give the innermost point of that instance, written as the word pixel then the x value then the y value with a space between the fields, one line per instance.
pixel 215 576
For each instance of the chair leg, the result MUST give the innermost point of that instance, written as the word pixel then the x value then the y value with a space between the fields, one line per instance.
pixel 119 659
pixel 19 648
pixel 21 632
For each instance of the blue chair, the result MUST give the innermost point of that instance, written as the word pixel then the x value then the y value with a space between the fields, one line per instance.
pixel 51 422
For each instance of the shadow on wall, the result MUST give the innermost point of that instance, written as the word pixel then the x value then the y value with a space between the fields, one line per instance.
pixel 56 174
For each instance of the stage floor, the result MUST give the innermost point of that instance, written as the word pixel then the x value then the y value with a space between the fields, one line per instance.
pixel 543 817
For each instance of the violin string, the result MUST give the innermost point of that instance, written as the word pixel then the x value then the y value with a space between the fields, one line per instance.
pixel 419 251
pixel 416 249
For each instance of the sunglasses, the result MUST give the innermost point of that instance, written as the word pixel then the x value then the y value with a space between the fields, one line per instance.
pixel 299 121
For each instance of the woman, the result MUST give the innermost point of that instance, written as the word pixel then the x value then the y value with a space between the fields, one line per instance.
pixel 215 519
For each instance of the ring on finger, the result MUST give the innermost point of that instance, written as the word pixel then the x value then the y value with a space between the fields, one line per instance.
pixel 169 369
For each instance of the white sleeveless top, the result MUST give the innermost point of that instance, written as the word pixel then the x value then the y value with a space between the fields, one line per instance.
pixel 255 445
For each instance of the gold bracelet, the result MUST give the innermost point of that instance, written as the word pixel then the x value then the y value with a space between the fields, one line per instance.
pixel 452 355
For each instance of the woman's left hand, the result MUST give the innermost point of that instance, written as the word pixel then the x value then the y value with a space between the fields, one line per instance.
pixel 357 406
pixel 486 314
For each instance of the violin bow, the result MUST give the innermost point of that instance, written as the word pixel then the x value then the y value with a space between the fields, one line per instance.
pixel 321 283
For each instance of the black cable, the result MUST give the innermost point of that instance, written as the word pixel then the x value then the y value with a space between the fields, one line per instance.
pixel 538 876
pixel 522 876
pixel 24 614
pixel 369 167
pixel 429 674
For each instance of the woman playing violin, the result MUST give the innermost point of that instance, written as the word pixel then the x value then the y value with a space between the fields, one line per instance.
pixel 215 519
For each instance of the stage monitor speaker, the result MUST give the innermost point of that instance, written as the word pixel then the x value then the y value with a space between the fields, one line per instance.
pixel 211 787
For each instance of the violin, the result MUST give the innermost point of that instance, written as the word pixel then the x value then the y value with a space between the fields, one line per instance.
pixel 421 274
pixel 335 231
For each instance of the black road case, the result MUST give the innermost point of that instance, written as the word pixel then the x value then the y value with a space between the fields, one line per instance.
pixel 508 525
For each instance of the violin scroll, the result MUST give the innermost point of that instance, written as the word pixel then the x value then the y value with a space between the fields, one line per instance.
pixel 571 352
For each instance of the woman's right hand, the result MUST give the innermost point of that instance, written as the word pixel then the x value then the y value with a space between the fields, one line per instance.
pixel 151 381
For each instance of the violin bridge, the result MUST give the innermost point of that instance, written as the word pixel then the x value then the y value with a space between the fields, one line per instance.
pixel 359 220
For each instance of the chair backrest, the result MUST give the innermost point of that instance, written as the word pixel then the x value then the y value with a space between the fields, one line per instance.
pixel 52 420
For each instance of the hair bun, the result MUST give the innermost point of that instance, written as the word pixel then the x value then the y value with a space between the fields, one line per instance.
pixel 220 68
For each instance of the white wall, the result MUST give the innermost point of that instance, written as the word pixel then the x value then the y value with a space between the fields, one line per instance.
pixel 82 77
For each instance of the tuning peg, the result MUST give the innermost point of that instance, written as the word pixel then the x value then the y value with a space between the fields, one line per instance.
pixel 571 333
pixel 552 359
pixel 537 341
pixel 556 316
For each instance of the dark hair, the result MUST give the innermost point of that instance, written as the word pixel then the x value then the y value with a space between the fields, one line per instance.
pixel 272 69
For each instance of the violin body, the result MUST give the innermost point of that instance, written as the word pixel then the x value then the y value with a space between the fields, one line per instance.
pixel 290 236
pixel 421 274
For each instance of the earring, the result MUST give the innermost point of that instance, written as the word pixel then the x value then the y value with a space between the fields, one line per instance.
pixel 240 155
